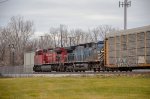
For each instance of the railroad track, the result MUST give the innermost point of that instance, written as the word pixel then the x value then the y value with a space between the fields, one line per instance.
pixel 18 72
pixel 90 72
pixel 75 74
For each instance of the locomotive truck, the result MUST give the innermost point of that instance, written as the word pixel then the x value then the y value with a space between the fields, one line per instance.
pixel 120 51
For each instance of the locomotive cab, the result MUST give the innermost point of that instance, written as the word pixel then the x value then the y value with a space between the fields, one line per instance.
pixel 38 58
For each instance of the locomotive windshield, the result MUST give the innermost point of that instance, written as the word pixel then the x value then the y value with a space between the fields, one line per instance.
pixel 39 52
pixel 100 44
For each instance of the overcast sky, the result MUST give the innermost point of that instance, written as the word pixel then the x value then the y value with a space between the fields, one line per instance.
pixel 75 13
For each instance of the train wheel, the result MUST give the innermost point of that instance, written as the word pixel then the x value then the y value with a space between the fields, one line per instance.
pixel 94 70
pixel 130 70
pixel 98 69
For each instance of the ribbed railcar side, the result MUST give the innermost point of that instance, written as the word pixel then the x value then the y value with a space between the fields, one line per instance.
pixel 129 49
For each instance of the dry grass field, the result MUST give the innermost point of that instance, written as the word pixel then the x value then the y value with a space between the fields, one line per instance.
pixel 97 87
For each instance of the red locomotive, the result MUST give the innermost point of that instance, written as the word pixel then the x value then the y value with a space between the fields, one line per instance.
pixel 74 58
pixel 49 57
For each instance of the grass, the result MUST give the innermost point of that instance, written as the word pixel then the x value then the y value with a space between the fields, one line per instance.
pixel 115 87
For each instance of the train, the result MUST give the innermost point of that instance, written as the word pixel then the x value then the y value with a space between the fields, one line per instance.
pixel 120 51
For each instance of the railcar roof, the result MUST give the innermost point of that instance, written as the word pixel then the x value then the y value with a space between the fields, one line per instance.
pixel 129 31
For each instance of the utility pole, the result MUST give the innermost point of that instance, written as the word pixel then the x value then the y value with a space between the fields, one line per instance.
pixel 125 4
pixel 12 49
pixel 61 31
pixel 41 43
pixel 10 53
pixel 70 38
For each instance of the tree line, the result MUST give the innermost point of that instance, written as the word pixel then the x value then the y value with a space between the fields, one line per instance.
pixel 18 37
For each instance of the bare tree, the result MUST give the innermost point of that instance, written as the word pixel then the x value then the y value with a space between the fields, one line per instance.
pixel 46 41
pixel 63 35
pixel 80 36
pixel 103 29
pixel 21 31
pixel 32 44
pixel 3 44
pixel 73 37
pixel 54 36
pixel 95 34
pixel 60 36
pixel 17 33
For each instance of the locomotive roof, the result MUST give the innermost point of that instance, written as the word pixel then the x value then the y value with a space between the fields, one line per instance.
pixel 50 48
pixel 129 31
pixel 100 42
pixel 86 44
pixel 70 48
